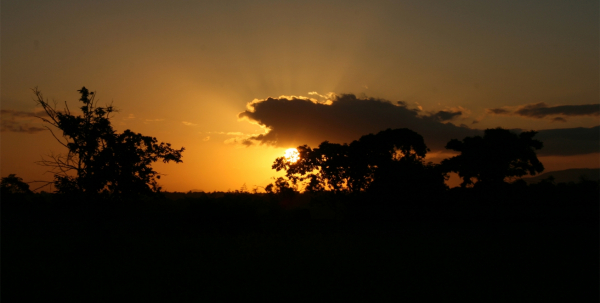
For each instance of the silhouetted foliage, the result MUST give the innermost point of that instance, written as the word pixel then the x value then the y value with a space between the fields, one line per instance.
pixel 494 157
pixel 14 185
pixel 390 159
pixel 100 160
pixel 281 186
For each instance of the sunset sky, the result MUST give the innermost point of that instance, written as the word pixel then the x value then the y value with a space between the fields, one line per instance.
pixel 238 82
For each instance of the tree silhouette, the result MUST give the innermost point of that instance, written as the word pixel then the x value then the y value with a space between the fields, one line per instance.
pixel 390 157
pixel 14 185
pixel 100 159
pixel 281 186
pixel 494 157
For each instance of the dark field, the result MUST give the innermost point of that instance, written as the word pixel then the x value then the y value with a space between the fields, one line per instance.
pixel 506 247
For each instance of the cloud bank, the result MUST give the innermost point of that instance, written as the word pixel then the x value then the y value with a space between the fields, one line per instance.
pixel 542 110
pixel 293 121
pixel 18 121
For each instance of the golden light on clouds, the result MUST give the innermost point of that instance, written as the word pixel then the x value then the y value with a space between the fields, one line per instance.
pixel 292 155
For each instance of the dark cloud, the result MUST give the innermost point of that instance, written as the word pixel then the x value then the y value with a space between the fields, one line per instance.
pixel 443 115
pixel 18 121
pixel 298 121
pixel 240 140
pixel 17 114
pixel 498 111
pixel 569 141
pixel 559 119
pixel 15 126
pixel 542 110
pixel 293 121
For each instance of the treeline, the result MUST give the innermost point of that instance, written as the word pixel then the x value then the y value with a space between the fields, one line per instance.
pixel 393 162
pixel 517 201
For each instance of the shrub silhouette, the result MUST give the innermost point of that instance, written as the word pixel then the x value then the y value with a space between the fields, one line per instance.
pixel 14 185
pixel 494 157
pixel 281 186
pixel 100 160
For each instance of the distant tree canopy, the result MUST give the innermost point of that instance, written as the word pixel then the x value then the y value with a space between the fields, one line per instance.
pixel 13 185
pixel 494 157
pixel 99 159
pixel 391 158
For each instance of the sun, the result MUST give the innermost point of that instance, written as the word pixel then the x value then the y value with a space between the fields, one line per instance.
pixel 292 155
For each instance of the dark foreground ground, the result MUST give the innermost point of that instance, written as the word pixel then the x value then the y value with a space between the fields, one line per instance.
pixel 249 247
